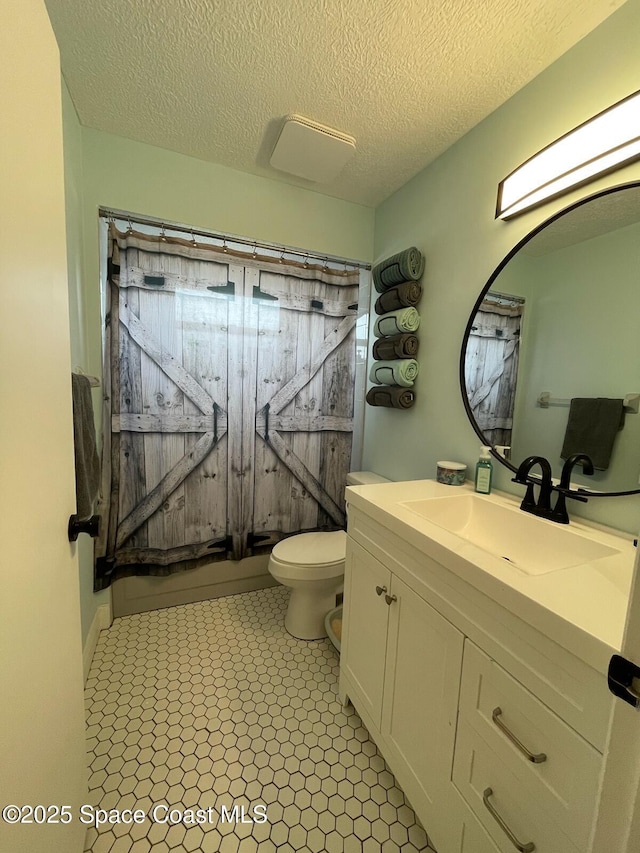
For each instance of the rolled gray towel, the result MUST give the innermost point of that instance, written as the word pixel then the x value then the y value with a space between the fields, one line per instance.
pixel 397 322
pixel 391 396
pixel 397 346
pixel 404 266
pixel 404 295
pixel 402 371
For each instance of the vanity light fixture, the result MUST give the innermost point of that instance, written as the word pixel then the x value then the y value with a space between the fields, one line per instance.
pixel 600 145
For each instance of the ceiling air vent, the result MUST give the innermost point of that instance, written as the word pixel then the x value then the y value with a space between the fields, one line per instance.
pixel 310 150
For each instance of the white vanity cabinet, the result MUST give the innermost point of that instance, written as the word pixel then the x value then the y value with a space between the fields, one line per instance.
pixel 493 730
pixel 401 660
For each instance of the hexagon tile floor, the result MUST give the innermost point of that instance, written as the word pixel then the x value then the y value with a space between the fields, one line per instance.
pixel 196 710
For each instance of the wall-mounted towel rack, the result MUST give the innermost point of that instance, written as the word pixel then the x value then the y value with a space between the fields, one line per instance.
pixel 631 402
pixel 93 380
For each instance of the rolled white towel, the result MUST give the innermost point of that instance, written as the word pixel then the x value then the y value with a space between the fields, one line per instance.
pixel 397 322
pixel 401 371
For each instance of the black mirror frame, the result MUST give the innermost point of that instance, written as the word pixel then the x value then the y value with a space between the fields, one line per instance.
pixel 478 302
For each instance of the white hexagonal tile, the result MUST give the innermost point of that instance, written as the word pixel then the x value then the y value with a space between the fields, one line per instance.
pixel 418 837
pixel 279 833
pixel 399 833
pixel 316 840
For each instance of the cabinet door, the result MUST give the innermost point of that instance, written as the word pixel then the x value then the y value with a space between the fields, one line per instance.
pixel 474 839
pixel 424 660
pixel 366 616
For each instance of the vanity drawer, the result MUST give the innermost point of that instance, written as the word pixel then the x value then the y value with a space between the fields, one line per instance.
pixel 509 810
pixel 536 755
pixel 470 834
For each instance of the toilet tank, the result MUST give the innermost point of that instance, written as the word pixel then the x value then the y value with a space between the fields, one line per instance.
pixel 364 478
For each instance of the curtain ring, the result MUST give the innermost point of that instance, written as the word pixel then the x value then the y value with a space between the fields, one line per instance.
pixel 224 245
pixel 306 262
pixel 130 228
pixel 254 254
pixel 163 236
pixel 193 240
pixel 281 260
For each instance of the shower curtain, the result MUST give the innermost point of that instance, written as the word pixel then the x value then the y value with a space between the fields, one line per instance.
pixel 229 393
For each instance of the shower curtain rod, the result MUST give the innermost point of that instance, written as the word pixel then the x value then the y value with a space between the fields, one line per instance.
pixel 131 218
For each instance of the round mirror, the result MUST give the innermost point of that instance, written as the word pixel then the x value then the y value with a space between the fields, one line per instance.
pixel 550 359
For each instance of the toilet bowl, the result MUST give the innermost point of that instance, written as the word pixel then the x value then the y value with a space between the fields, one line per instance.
pixel 312 566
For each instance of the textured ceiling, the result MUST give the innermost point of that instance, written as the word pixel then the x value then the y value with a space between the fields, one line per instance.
pixel 599 216
pixel 215 78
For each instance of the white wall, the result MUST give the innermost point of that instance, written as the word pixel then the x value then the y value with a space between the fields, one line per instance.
pixel 42 711
pixel 447 211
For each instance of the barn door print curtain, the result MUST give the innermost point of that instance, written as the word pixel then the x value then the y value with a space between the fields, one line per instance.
pixel 229 394
pixel 491 365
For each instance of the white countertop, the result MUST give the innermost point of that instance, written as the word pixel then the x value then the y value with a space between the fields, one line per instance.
pixel 582 608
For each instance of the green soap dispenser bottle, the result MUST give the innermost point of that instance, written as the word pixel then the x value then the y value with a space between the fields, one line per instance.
pixel 484 471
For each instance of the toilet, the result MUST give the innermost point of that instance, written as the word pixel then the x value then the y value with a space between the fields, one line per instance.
pixel 312 566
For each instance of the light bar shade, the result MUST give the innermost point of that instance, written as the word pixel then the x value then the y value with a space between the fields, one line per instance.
pixel 602 144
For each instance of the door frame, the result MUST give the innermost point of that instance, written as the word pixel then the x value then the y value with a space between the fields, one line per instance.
pixel 618 819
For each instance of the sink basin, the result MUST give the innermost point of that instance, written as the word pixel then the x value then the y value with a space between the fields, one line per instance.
pixel 531 544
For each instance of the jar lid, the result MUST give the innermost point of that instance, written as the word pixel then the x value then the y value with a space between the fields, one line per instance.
pixel 452 466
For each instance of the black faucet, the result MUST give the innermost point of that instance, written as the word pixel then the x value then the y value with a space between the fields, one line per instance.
pixel 560 513
pixel 543 505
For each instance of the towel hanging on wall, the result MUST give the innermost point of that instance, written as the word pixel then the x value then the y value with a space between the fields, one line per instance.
pixel 397 322
pixel 391 396
pixel 404 266
pixel 592 426
pixel 404 295
pixel 402 371
pixel 397 346
pixel 86 454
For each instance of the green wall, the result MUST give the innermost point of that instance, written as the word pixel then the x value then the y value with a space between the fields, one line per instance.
pixel 579 339
pixel 78 297
pixel 73 222
pixel 447 211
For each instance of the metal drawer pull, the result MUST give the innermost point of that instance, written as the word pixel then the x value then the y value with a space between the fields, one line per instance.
pixel 390 598
pixel 529 847
pixel 530 756
pixel 380 590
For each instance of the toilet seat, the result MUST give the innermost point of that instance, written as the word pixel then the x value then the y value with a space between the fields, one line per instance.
pixel 311 555
pixel 312 549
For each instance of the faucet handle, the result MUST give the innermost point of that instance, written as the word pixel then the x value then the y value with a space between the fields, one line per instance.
pixel 528 501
